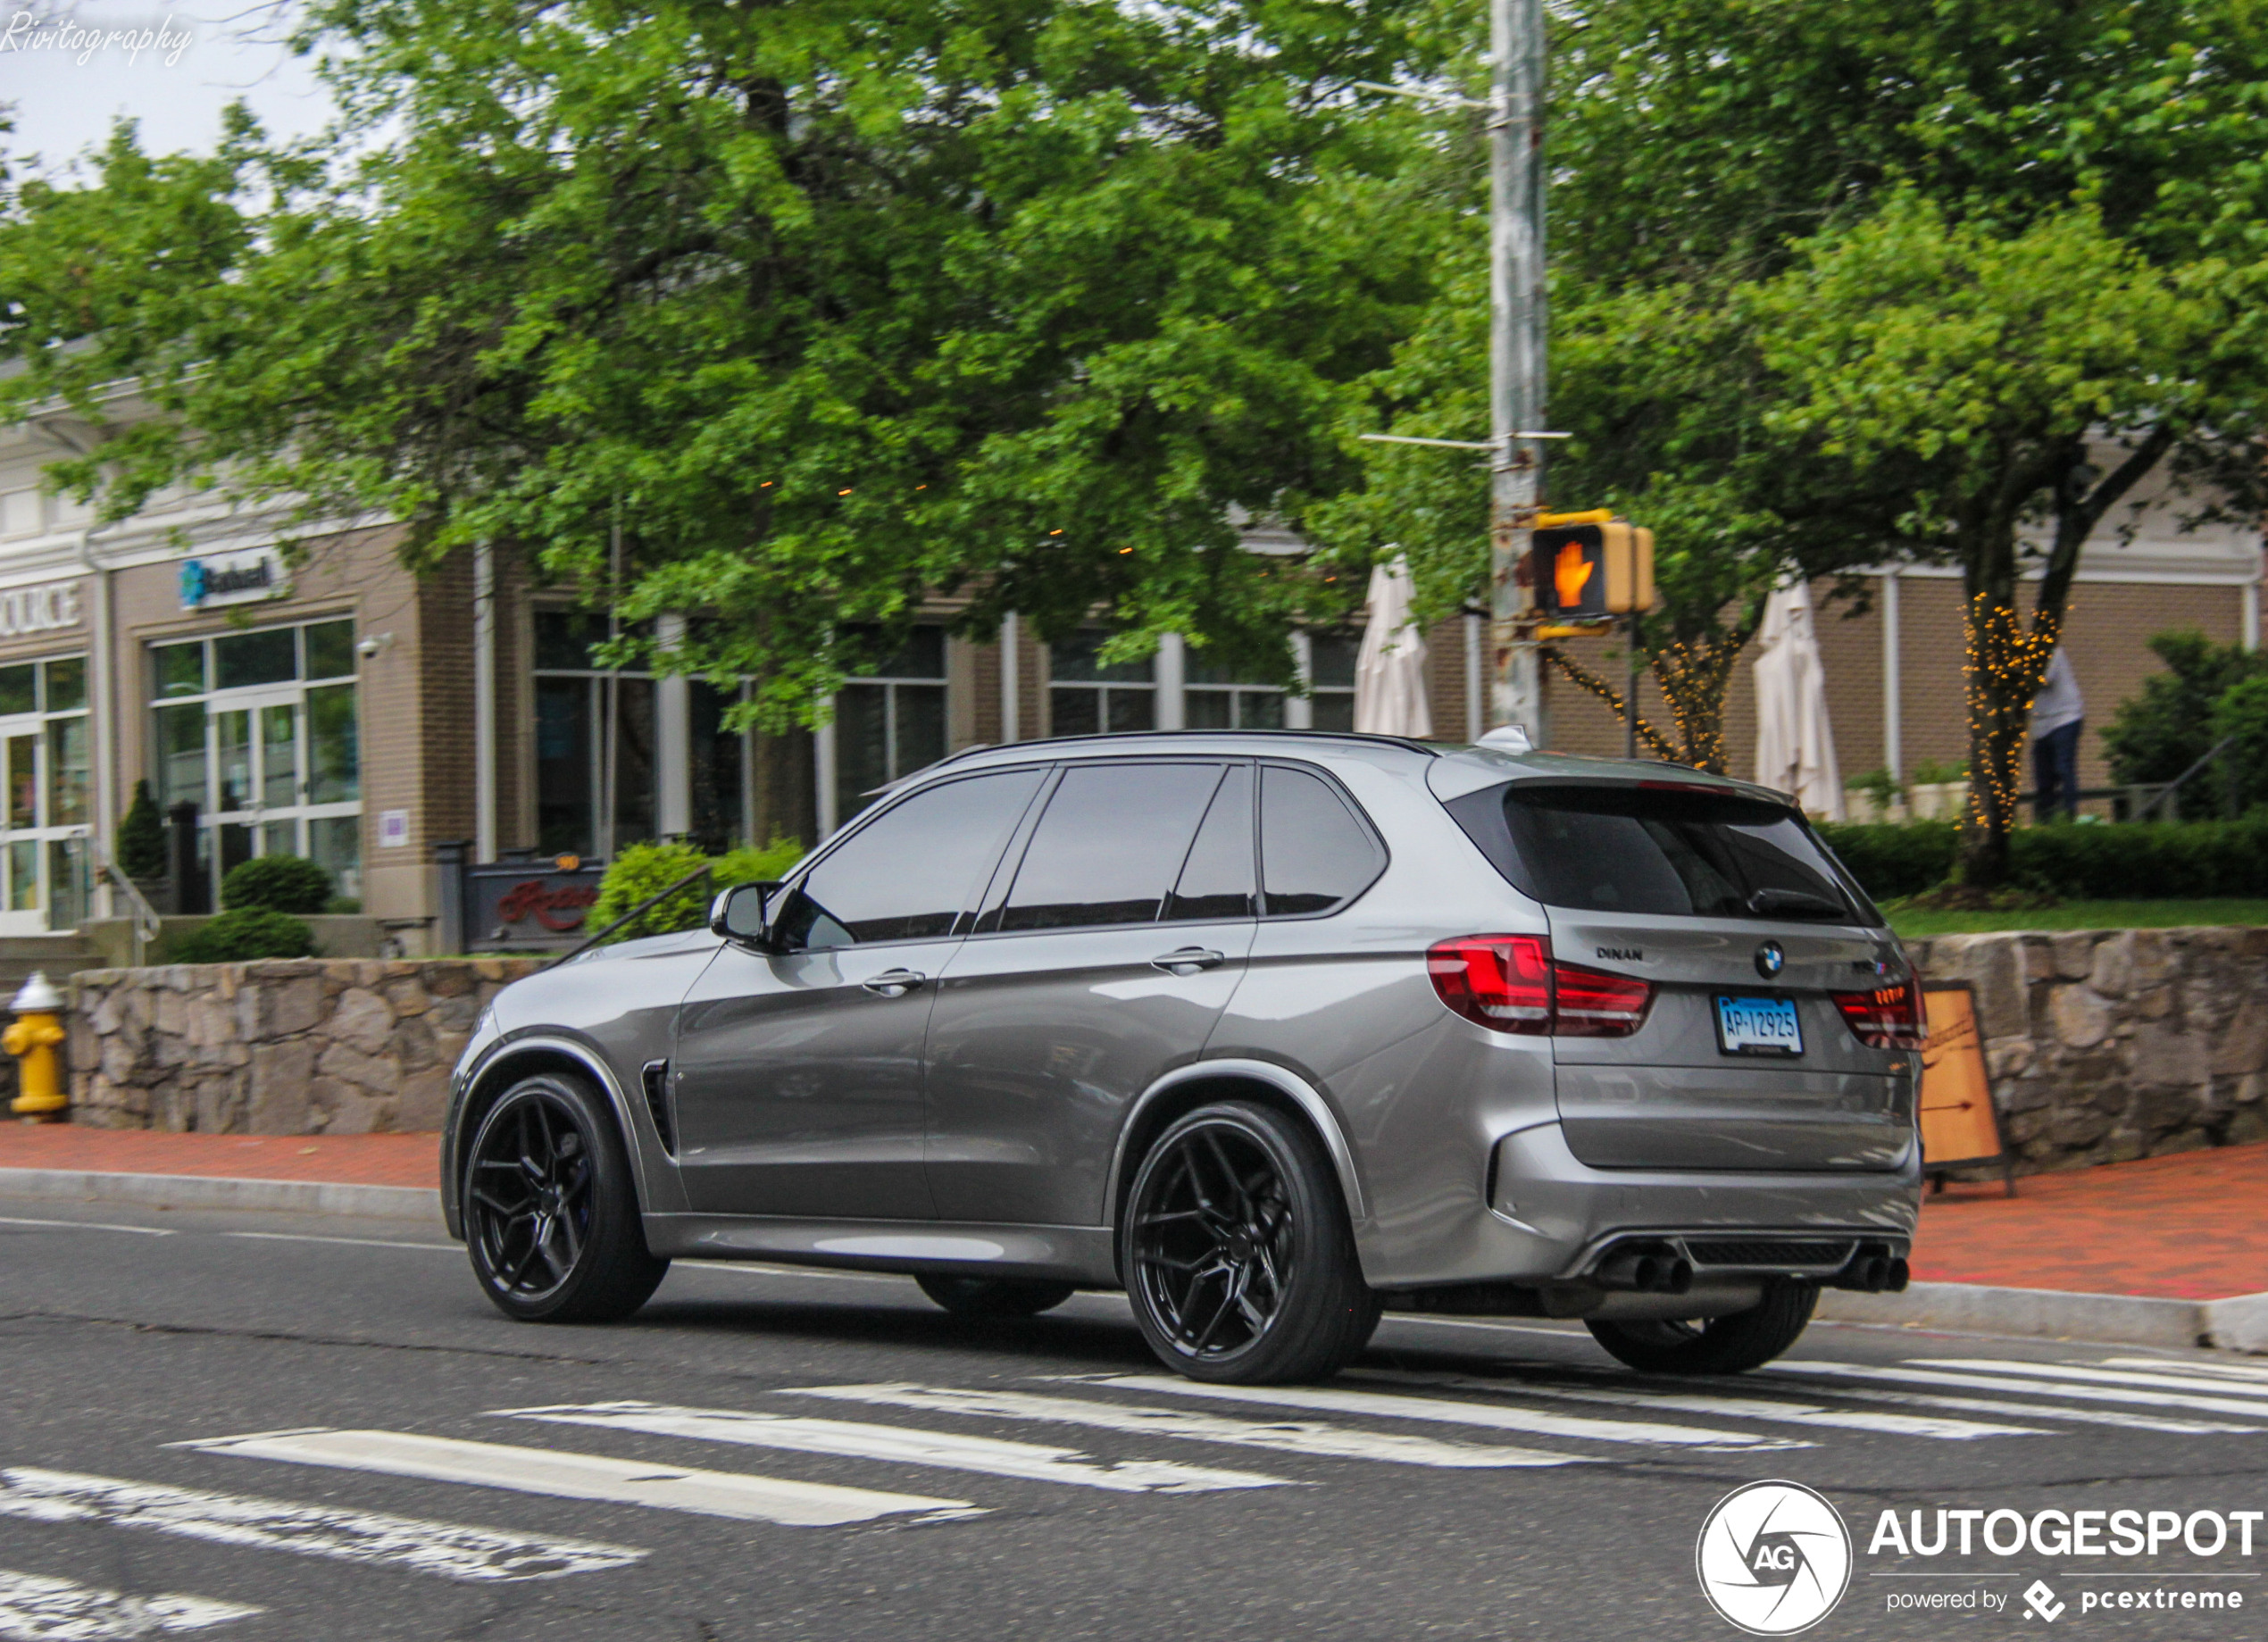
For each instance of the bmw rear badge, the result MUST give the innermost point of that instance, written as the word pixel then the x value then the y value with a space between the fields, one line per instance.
pixel 1769 959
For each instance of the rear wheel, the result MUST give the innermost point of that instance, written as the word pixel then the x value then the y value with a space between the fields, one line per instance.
pixel 1714 1345
pixel 550 1210
pixel 1238 1255
pixel 993 1296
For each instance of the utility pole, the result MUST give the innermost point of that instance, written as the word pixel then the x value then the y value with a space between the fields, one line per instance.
pixel 1515 356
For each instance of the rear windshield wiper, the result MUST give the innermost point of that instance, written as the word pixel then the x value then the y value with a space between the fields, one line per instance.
pixel 1794 903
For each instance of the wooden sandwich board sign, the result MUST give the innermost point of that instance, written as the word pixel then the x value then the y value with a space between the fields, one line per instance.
pixel 1958 1128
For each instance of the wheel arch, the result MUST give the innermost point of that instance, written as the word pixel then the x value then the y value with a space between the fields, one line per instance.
pixel 505 1065
pixel 1186 1088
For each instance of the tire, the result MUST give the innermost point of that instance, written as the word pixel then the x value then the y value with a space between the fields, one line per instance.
pixel 1237 1252
pixel 1730 1345
pixel 993 1296
pixel 550 1208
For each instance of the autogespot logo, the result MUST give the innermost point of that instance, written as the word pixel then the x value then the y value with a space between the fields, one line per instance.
pixel 1773 1558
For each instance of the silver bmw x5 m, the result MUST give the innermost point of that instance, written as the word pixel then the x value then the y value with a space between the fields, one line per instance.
pixel 1273 1030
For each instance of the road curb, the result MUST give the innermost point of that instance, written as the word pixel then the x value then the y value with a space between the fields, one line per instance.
pixel 206 1191
pixel 2236 1325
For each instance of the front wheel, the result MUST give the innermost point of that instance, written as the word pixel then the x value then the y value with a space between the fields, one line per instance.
pixel 550 1211
pixel 1730 1345
pixel 993 1296
pixel 1237 1252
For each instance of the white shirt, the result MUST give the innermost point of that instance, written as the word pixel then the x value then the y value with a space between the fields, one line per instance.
pixel 2059 701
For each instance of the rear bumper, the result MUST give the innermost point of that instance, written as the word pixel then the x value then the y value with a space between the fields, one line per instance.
pixel 1552 1216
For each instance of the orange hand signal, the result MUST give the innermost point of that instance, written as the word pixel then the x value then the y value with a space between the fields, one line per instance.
pixel 1569 572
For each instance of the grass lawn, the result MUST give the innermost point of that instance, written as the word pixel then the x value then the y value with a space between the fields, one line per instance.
pixel 1915 922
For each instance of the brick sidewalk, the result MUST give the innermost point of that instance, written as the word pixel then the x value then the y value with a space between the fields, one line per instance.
pixel 2189 1227
pixel 354 1160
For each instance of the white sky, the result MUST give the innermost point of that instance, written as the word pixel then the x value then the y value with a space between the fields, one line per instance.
pixel 65 95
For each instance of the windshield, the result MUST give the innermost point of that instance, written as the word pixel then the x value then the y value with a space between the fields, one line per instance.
pixel 1659 850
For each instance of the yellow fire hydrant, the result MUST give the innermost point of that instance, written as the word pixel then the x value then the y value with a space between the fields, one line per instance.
pixel 32 1041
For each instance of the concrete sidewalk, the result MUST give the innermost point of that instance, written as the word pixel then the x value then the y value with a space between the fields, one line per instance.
pixel 2169 1250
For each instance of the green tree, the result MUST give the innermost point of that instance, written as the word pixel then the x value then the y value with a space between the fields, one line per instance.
pixel 2158 732
pixel 141 837
pixel 814 310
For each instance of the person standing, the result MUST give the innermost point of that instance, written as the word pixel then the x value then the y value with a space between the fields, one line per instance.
pixel 2058 712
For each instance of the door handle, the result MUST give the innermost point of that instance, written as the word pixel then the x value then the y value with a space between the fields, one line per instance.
pixel 1188 961
pixel 894 983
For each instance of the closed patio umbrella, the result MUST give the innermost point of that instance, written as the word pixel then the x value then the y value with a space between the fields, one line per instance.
pixel 1795 742
pixel 1389 669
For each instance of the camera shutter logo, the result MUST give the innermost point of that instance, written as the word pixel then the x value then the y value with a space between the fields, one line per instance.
pixel 1773 1558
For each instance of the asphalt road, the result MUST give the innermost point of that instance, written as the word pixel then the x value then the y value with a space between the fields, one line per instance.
pixel 1033 1479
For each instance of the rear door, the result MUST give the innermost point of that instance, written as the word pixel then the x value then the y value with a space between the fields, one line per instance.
pixel 1101 962
pixel 1745 929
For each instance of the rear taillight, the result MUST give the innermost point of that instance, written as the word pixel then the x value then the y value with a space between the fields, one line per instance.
pixel 1886 1018
pixel 1509 983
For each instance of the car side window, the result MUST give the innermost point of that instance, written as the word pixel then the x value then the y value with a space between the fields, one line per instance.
pixel 914 869
pixel 1109 845
pixel 1216 880
pixel 1315 855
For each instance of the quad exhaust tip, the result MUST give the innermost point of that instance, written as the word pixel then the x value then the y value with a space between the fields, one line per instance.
pixel 1646 1272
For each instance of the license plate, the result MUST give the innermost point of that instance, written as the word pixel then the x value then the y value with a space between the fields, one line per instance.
pixel 1758 1025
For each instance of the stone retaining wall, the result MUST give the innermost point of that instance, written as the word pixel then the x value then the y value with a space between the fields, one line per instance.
pixel 285 1046
pixel 2104 1045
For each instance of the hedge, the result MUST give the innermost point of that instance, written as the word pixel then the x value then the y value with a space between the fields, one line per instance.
pixel 2139 861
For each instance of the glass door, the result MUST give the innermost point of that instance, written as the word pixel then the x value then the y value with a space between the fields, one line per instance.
pixel 43 853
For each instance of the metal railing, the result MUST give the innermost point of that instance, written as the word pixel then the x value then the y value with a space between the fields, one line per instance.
pixel 142 918
pixel 700 876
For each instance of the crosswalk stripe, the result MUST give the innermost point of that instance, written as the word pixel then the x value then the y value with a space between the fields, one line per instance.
pixel 2211 1371
pixel 585 1476
pixel 2029 1411
pixel 1029 1462
pixel 35 1606
pixel 1310 1437
pixel 451 1551
pixel 1717 1406
pixel 2102 1377
pixel 2039 1388
pixel 1393 1407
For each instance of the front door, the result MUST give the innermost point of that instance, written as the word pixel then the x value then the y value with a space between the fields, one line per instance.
pixel 1103 966
pixel 43 861
pixel 797 1081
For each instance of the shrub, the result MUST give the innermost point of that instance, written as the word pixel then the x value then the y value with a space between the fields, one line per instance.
pixel 1889 860
pixel 644 870
pixel 140 845
pixel 2152 861
pixel 277 884
pixel 244 933
pixel 2240 718
pixel 2167 726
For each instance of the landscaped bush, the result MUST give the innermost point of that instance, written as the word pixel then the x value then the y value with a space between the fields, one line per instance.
pixel 1890 860
pixel 2167 725
pixel 277 884
pixel 244 933
pixel 644 869
pixel 141 837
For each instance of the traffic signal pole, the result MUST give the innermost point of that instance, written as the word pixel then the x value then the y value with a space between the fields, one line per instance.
pixel 1515 356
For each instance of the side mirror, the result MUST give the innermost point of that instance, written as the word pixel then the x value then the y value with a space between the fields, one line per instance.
pixel 738 913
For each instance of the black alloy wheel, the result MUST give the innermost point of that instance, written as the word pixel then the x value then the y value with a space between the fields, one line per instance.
pixel 1729 1345
pixel 550 1213
pixel 993 1296
pixel 1237 1252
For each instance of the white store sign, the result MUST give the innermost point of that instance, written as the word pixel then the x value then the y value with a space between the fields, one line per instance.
pixel 233 579
pixel 48 607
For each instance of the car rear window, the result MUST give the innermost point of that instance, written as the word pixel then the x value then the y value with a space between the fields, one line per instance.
pixel 1659 850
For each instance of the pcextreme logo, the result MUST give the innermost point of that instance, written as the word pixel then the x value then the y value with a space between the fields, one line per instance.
pixel 1773 1558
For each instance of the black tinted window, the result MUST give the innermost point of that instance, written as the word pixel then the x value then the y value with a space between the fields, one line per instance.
pixel 1108 847
pixel 1216 880
pixel 1314 853
pixel 914 869
pixel 1635 849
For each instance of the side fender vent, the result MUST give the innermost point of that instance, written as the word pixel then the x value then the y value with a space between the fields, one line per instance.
pixel 656 1076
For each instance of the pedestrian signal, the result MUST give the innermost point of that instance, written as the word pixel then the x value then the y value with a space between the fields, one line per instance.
pixel 1587 572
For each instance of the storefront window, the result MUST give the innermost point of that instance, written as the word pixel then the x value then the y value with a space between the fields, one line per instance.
pixel 1215 700
pixel 890 722
pixel 719 764
pixel 271 759
pixel 1331 680
pixel 1087 698
pixel 581 710
pixel 45 760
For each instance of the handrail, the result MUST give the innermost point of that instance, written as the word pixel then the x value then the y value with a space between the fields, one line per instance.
pixel 2166 792
pixel 640 910
pixel 143 918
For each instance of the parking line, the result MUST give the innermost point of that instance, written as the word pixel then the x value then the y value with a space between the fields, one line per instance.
pixel 33 1606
